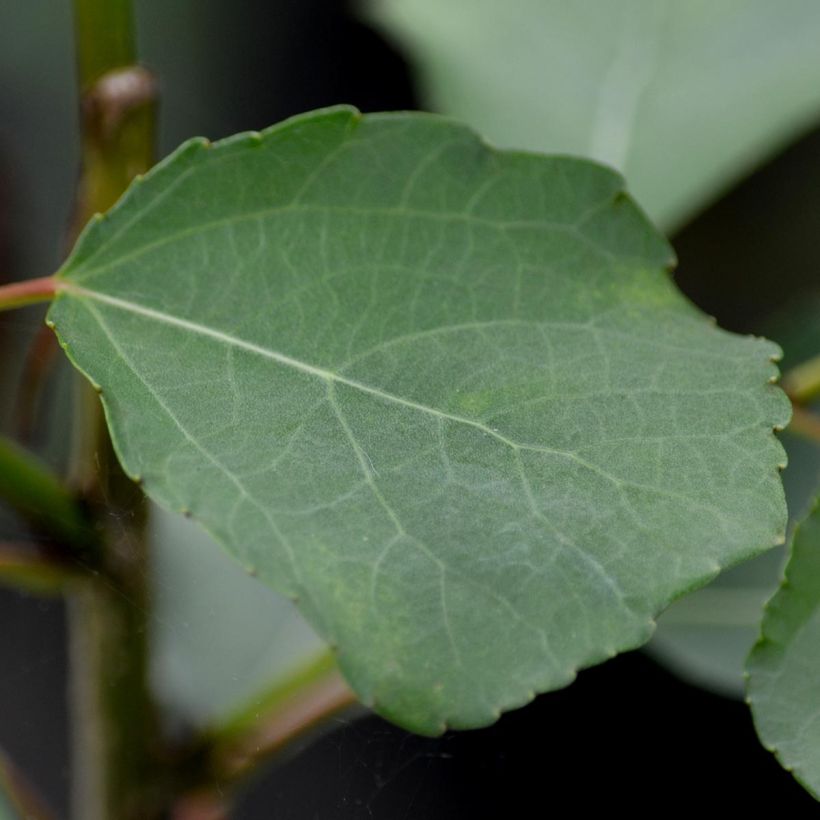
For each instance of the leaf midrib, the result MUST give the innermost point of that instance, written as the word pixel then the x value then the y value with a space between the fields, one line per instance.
pixel 329 377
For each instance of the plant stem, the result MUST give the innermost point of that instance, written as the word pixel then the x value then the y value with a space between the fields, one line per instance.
pixel 118 770
pixel 116 750
pixel 802 383
pixel 20 294
pixel 304 699
pixel 213 764
pixel 805 424
pixel 303 712
pixel 31 567
pixel 31 489
pixel 104 35
pixel 118 122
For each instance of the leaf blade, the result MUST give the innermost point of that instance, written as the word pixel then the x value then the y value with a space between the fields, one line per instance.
pixel 419 384
pixel 781 688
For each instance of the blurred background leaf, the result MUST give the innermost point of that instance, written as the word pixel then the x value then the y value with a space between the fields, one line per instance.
pixel 683 98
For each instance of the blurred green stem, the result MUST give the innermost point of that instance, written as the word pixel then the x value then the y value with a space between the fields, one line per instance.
pixel 802 382
pixel 104 38
pixel 36 569
pixel 296 704
pixel 266 725
pixel 31 489
pixel 117 766
pixel 805 424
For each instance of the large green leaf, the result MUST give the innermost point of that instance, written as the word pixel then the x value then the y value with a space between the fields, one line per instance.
pixel 446 397
pixel 785 664
pixel 682 97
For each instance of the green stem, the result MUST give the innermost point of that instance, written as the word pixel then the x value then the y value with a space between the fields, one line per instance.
pixel 119 771
pixel 118 106
pixel 805 424
pixel 210 767
pixel 300 702
pixel 802 382
pixel 20 294
pixel 31 489
pixel 104 37
pixel 34 568
pixel 117 753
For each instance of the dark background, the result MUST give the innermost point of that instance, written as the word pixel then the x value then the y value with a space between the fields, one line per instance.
pixel 627 735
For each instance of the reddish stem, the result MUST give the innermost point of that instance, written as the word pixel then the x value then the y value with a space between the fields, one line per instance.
pixel 40 359
pixel 18 294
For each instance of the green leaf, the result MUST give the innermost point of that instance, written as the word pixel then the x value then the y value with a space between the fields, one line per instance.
pixel 784 666
pixel 683 98
pixel 446 397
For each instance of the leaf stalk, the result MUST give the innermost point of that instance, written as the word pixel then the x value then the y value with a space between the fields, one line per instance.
pixel 20 294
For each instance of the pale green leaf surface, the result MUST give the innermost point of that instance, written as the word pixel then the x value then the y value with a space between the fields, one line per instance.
pixel 684 98
pixel 446 397
pixel 785 664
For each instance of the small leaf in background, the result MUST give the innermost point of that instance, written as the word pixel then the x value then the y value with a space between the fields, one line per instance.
pixel 682 98
pixel 446 397
pixel 784 667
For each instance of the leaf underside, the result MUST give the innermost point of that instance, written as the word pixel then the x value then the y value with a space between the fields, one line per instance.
pixel 446 397
pixel 783 667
